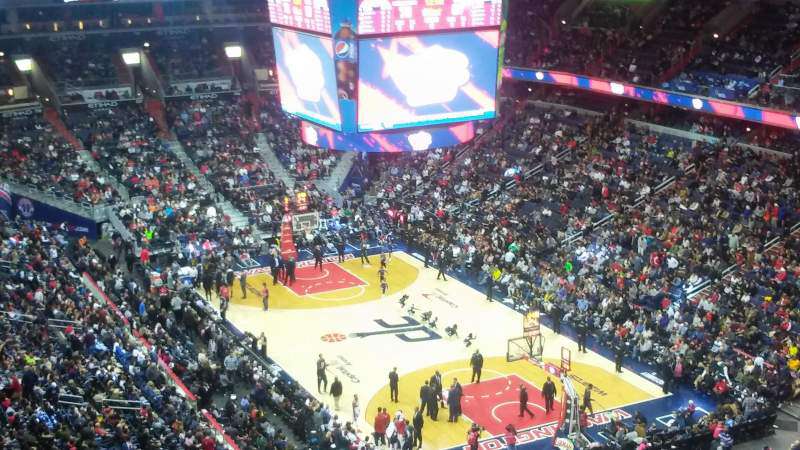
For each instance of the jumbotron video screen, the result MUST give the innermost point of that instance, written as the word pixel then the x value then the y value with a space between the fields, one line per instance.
pixel 307 76
pixel 430 79
pixel 365 67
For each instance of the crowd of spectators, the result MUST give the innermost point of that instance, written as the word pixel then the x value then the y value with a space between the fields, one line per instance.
pixel 33 154
pixel 229 374
pixel 731 66
pixel 724 129
pixel 86 62
pixel 191 55
pixel 220 136
pixel 303 162
pixel 87 383
pixel 609 41
pixel 124 141
pixel 626 281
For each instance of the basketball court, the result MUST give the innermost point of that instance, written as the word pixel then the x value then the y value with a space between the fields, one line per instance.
pixel 340 312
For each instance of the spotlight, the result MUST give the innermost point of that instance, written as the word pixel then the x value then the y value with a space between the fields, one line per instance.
pixel 716 35
pixel 24 64
pixel 132 58
pixel 233 51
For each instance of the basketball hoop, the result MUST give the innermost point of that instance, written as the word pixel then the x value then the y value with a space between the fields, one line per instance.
pixel 566 360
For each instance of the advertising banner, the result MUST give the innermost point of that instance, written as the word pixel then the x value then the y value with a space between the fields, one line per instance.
pixel 73 224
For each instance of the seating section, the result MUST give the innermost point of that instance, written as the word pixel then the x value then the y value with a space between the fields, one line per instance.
pixel 34 155
pixel 219 137
pixel 302 161
pixel 671 250
pixel 83 63
pixel 632 274
pixel 124 141
pixel 731 66
pixel 88 383
pixel 675 50
pixel 192 55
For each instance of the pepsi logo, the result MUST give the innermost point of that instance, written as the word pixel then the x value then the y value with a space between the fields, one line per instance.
pixel 341 48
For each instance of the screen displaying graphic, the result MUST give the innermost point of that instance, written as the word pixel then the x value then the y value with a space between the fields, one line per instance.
pixel 426 80
pixel 307 77
pixel 402 16
pixel 388 142
pixel 310 15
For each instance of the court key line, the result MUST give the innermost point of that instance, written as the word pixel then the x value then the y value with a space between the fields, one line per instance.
pixel 325 271
pixel 360 293
pixel 494 410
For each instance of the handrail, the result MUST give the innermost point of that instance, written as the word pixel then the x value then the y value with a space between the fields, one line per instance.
pixel 136 333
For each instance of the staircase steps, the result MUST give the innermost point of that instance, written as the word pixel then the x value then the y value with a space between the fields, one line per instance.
pixel 52 116
pixel 238 219
pixel 288 249
pixel 155 108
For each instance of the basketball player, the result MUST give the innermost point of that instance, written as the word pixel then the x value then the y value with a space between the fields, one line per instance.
pixel 364 257
pixel 384 285
pixel 382 272
pixel 322 377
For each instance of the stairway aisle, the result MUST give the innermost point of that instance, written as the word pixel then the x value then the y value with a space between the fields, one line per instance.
pixel 274 164
pixel 332 183
pixel 92 163
pixel 238 219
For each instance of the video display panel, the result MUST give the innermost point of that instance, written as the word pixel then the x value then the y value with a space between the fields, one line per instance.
pixel 310 15
pixel 388 142
pixel 423 80
pixel 403 16
pixel 307 77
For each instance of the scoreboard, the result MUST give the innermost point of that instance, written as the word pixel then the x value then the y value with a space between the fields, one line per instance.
pixel 309 15
pixel 388 75
pixel 404 16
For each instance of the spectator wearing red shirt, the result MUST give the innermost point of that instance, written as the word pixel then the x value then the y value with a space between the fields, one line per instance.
pixel 381 423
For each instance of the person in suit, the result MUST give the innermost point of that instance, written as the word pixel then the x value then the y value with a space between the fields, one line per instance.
pixel 452 403
pixel 275 268
pixel 523 401
pixel 340 249
pixel 549 394
pixel 322 377
pixel 229 277
pixel 582 332
pixel 587 398
pixel 394 383
pixel 243 283
pixel 418 421
pixel 318 256
pixel 442 265
pixel 619 354
pixel 364 257
pixel 424 396
pixel 437 386
pixel 477 365
pixel 459 393
pixel 336 392
pixel 290 277
pixel 555 314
